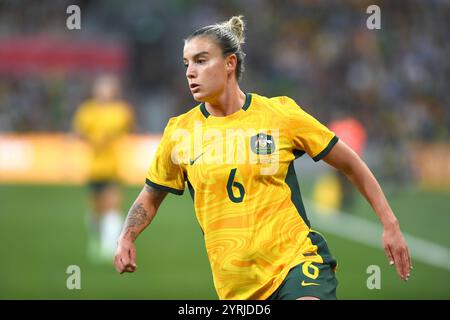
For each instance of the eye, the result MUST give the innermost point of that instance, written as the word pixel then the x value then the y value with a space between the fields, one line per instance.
pixel 200 61
pixel 185 65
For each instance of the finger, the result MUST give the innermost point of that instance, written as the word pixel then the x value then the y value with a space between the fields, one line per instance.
pixel 389 255
pixel 130 269
pixel 398 262
pixel 128 265
pixel 133 257
pixel 118 264
pixel 125 258
pixel 407 263
pixel 409 259
pixel 122 267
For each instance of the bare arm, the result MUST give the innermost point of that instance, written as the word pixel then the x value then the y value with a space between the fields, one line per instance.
pixel 139 217
pixel 347 161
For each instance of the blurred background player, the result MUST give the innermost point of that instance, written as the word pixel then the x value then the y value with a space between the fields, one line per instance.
pixel 102 121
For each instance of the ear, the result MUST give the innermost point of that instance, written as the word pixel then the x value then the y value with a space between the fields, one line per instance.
pixel 231 63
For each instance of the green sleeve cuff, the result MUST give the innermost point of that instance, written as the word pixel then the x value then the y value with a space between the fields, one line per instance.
pixel 327 149
pixel 163 188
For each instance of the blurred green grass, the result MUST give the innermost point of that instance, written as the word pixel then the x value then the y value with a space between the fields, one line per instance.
pixel 42 232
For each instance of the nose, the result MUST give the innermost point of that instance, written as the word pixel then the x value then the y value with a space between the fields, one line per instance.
pixel 190 72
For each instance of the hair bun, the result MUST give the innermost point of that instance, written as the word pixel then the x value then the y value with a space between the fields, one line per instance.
pixel 237 25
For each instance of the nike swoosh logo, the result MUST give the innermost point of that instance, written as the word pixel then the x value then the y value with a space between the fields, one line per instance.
pixel 191 162
pixel 304 284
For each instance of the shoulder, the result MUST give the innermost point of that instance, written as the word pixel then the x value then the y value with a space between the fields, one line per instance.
pixel 285 103
pixel 275 102
pixel 83 112
pixel 185 120
pixel 123 109
pixel 280 105
pixel 281 100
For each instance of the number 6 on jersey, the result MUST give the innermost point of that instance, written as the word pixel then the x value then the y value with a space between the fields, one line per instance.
pixel 239 186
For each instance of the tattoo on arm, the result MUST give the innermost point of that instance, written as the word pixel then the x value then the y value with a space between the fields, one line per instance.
pixel 138 217
pixel 158 195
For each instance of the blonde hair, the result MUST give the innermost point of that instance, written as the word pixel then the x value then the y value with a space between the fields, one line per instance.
pixel 229 35
pixel 237 26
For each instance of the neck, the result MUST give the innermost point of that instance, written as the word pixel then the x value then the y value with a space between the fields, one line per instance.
pixel 229 101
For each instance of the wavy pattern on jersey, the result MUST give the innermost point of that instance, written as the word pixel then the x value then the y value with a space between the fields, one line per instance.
pixel 253 238
pixel 260 241
pixel 249 244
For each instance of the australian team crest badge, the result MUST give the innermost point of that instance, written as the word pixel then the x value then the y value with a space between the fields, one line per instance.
pixel 262 143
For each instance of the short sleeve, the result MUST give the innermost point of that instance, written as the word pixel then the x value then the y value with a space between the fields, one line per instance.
pixel 307 133
pixel 164 173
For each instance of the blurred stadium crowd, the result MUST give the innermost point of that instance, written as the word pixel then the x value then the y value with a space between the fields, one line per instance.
pixel 395 80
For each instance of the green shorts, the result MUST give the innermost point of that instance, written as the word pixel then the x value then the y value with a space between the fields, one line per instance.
pixel 308 279
pixel 311 279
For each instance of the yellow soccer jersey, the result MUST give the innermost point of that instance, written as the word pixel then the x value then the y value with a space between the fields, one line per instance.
pixel 102 125
pixel 239 171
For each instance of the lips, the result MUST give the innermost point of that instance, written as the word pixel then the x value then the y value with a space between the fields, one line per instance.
pixel 194 86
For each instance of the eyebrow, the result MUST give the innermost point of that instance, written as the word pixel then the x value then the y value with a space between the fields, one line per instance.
pixel 198 54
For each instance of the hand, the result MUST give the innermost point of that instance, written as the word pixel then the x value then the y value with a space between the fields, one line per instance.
pixel 125 259
pixel 397 251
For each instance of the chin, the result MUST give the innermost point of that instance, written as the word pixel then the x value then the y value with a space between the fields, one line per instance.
pixel 199 97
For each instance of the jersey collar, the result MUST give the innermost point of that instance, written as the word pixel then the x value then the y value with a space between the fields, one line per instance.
pixel 248 100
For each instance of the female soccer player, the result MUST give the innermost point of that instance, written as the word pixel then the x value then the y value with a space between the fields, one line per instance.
pixel 235 151
pixel 102 121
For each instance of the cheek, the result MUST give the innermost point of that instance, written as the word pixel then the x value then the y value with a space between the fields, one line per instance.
pixel 216 74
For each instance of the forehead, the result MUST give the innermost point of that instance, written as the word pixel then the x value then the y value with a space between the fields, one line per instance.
pixel 200 44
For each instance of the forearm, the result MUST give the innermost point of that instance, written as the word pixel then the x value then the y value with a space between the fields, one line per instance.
pixel 142 213
pixel 139 217
pixel 361 176
pixel 347 161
